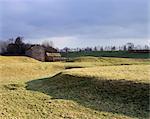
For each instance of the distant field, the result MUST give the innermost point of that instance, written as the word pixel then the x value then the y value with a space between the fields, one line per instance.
pixel 81 88
pixel 124 54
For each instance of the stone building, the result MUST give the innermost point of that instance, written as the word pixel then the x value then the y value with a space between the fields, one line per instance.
pixel 42 53
pixel 37 52
pixel 52 57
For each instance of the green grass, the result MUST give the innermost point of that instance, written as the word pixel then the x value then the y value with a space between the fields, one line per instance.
pixel 124 54
pixel 88 61
pixel 85 88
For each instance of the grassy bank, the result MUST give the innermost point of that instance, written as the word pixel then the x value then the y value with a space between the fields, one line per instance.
pixel 83 88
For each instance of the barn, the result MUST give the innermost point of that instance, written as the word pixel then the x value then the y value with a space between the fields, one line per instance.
pixel 42 53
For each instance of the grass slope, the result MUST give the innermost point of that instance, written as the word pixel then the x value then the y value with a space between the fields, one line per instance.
pixel 82 62
pixel 99 90
pixel 104 89
pixel 15 59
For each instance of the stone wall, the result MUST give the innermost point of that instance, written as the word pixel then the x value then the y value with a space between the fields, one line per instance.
pixel 36 52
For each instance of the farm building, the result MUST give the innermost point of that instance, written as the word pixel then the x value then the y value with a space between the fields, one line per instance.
pixel 42 53
pixel 36 52
pixel 53 56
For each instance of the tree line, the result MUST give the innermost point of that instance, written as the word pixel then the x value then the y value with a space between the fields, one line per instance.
pixel 126 47
pixel 19 47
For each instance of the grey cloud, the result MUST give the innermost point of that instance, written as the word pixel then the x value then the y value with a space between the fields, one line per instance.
pixel 86 19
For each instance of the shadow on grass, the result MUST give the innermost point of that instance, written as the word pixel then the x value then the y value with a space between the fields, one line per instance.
pixel 115 96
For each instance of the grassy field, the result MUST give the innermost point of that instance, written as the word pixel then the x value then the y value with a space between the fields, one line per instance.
pixel 124 54
pixel 82 88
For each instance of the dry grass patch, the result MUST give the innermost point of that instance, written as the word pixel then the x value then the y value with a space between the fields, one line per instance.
pixel 136 73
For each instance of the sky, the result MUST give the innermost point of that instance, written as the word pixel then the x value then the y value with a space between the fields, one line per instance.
pixel 76 23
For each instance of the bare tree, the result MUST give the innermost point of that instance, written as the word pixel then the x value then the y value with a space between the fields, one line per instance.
pixel 16 47
pixel 124 48
pixel 130 46
pixel 4 45
pixel 66 49
pixel 19 41
pixel 95 48
pixel 101 49
pixel 146 47
pixel 113 48
pixel 48 43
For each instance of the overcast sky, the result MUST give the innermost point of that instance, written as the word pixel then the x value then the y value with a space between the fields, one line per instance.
pixel 75 23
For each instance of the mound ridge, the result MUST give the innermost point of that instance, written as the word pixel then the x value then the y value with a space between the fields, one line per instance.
pixel 113 96
pixel 108 61
pixel 17 59
pixel 85 59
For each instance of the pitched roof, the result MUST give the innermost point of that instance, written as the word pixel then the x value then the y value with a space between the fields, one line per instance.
pixel 53 54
